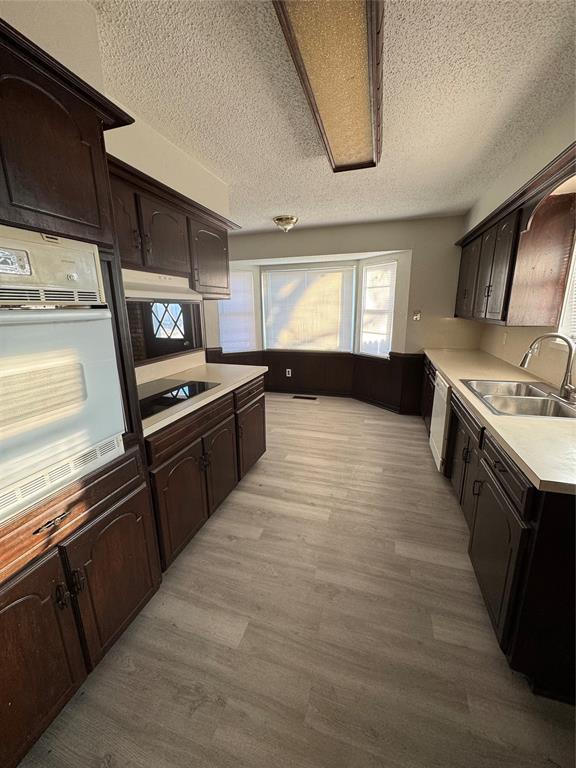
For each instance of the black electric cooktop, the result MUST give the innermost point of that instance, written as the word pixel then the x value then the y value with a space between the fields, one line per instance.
pixel 173 395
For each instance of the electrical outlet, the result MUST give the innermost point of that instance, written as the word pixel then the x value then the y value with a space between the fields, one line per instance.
pixel 417 315
pixel 288 372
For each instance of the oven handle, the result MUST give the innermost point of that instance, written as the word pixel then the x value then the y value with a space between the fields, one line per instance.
pixel 36 316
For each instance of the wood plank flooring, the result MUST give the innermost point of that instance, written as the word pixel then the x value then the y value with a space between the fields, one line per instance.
pixel 327 616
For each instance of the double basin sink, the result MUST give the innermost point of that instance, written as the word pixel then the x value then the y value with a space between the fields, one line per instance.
pixel 520 398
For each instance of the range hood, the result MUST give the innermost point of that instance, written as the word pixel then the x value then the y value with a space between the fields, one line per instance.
pixel 150 286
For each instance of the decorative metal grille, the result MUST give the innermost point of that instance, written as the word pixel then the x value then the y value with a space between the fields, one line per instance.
pixel 167 321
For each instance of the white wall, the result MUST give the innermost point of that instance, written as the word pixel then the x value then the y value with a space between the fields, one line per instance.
pixel 511 343
pixel 558 134
pixel 68 30
pixel 434 274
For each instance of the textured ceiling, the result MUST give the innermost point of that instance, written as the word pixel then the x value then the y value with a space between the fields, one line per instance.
pixel 466 85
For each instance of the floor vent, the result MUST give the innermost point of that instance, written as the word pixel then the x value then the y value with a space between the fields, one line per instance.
pixel 304 397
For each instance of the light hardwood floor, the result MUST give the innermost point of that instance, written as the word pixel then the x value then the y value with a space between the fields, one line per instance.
pixel 327 616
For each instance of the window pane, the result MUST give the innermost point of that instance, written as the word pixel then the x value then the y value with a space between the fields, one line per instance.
pixel 378 287
pixel 309 308
pixel 568 321
pixel 236 314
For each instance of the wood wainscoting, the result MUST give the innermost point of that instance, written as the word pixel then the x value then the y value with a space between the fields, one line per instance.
pixel 393 383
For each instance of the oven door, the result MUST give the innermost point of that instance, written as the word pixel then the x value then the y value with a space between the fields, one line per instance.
pixel 61 410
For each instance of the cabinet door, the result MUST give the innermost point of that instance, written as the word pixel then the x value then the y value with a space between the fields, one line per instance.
pixel 53 174
pixel 126 222
pixel 165 236
pixel 484 272
pixel 460 447
pixel 467 278
pixel 210 259
pixel 468 497
pixel 115 570
pixel 179 488
pixel 502 267
pixel 251 422
pixel 496 546
pixel 41 655
pixel 220 453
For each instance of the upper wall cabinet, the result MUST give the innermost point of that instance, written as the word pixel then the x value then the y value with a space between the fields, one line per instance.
pixel 467 279
pixel 161 230
pixel 210 270
pixel 165 236
pixel 53 175
pixel 514 264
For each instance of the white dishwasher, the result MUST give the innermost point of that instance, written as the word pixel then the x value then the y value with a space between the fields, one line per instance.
pixel 439 422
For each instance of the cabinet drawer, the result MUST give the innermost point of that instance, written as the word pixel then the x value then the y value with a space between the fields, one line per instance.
pixel 248 392
pixel 30 535
pixel 518 488
pixel 474 427
pixel 167 442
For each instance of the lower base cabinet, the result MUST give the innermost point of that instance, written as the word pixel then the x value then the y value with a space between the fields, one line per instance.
pixel 251 426
pixel 181 499
pixel 59 616
pixel 196 462
pixel 114 570
pixel 221 462
pixel 41 660
pixel 496 547
pixel 522 549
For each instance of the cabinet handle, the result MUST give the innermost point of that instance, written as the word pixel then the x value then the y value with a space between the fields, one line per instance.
pixel 499 467
pixel 62 597
pixel 78 581
pixel 137 239
pixel 465 455
pixel 476 487
pixel 196 273
pixel 240 430
pixel 148 240
pixel 52 523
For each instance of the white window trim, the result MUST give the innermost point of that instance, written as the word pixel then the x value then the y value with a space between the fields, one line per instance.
pixel 258 321
pixel 570 289
pixel 311 266
pixel 403 261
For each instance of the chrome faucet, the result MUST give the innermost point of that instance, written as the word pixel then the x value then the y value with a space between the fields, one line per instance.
pixel 567 389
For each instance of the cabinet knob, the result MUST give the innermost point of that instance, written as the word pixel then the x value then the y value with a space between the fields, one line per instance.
pixel 62 596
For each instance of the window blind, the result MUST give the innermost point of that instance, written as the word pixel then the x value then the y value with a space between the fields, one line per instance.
pixel 377 311
pixel 309 308
pixel 568 320
pixel 237 314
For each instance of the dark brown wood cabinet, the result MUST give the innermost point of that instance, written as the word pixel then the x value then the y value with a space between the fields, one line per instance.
pixel 502 264
pixel 496 547
pixel 53 175
pixel 524 248
pixel 126 221
pixel 114 570
pixel 181 499
pixel 164 236
pixel 251 426
pixel 160 229
pixel 467 279
pixel 488 243
pixel 221 462
pixel 464 440
pixel 210 269
pixel 41 655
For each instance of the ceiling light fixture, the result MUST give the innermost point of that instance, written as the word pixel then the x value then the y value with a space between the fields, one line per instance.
pixel 336 46
pixel 285 222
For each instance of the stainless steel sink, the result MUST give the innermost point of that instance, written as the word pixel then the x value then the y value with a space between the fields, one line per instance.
pixel 520 398
pixel 530 406
pixel 508 388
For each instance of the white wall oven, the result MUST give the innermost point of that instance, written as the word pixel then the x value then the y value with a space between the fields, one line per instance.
pixel 61 413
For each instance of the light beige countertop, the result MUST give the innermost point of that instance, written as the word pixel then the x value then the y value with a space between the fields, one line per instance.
pixel 227 377
pixel 543 447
